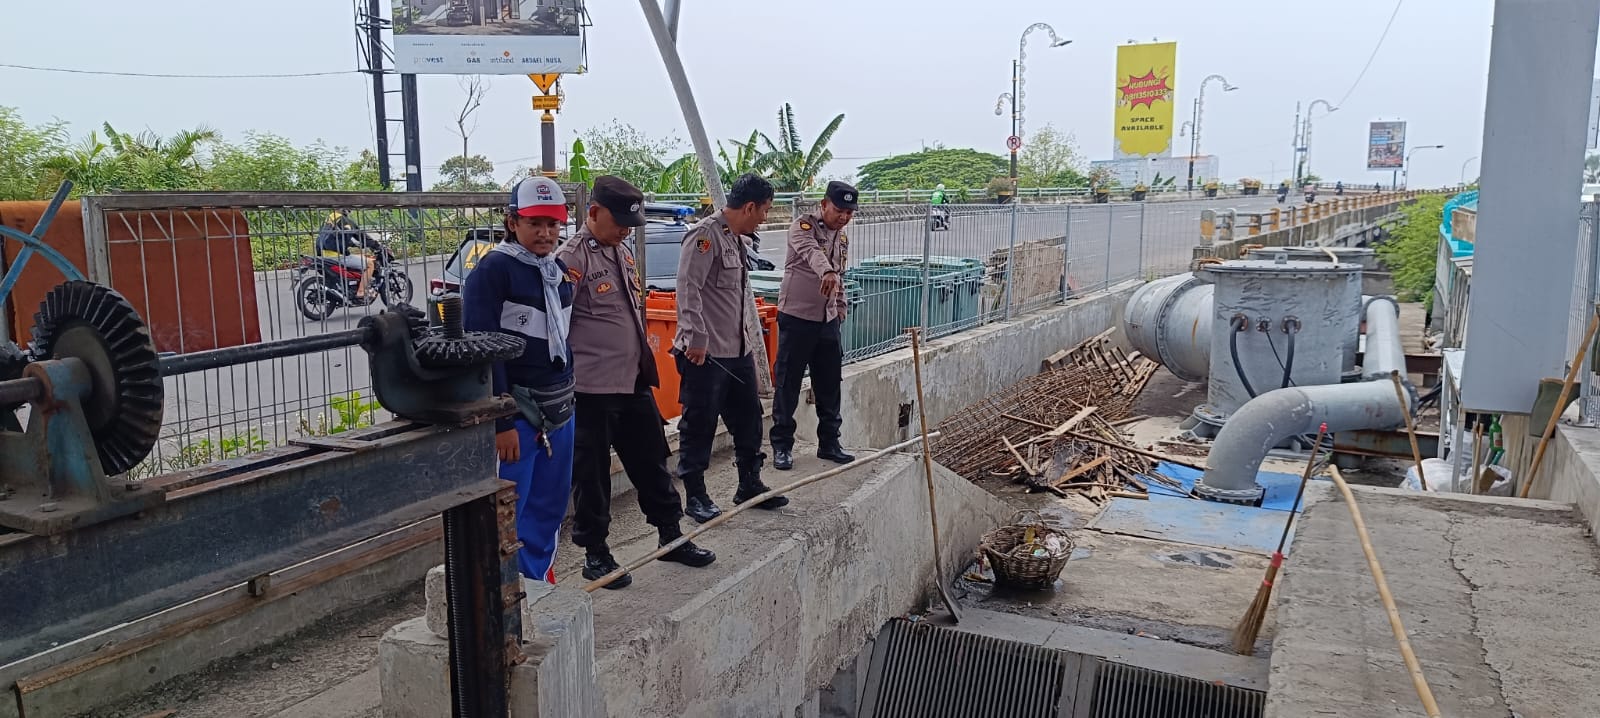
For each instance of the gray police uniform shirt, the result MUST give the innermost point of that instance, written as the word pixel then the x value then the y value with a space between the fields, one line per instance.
pixel 814 250
pixel 714 291
pixel 610 350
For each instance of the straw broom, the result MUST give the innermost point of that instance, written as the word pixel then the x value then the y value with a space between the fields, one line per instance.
pixel 1244 634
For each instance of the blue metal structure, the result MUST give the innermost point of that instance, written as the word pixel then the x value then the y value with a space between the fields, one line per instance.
pixel 33 243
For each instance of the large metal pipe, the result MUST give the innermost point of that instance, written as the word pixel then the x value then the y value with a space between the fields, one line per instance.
pixel 1269 419
pixel 1169 320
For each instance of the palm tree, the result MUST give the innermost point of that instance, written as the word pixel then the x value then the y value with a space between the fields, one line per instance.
pixel 149 161
pixel 1591 169
pixel 791 167
pixel 87 166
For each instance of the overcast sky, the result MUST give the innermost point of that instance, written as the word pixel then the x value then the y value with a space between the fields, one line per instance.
pixel 904 73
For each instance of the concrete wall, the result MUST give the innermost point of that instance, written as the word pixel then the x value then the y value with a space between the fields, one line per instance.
pixel 1571 474
pixel 1349 228
pixel 958 370
pixel 807 593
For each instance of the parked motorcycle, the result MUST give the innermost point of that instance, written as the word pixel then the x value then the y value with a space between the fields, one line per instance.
pixel 940 217
pixel 323 284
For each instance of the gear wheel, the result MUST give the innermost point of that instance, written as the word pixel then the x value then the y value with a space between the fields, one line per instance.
pixel 451 346
pixel 96 325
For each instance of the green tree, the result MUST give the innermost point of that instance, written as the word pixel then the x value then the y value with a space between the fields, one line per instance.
pixel 1412 248
pixel 149 161
pixel 622 150
pixel 789 164
pixel 956 168
pixel 269 162
pixel 1591 166
pixel 578 165
pixel 742 161
pixel 89 166
pixel 466 174
pixel 1050 158
pixel 23 150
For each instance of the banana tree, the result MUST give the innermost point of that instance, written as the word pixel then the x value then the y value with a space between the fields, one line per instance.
pixel 789 164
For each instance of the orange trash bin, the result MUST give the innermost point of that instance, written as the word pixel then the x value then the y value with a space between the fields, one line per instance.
pixel 661 325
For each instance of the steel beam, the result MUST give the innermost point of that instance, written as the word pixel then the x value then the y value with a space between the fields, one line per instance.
pixel 228 522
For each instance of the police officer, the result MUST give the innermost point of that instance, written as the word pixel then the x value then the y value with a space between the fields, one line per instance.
pixel 615 371
pixel 520 288
pixel 713 349
pixel 811 307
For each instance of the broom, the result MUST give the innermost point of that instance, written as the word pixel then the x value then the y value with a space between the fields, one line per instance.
pixel 1244 634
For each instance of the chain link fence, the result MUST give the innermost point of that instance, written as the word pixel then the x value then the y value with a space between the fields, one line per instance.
pixel 212 270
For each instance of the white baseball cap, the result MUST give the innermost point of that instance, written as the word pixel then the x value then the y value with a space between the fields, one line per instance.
pixel 539 197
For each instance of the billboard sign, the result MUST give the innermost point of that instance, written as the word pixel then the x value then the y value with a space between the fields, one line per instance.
pixel 1386 146
pixel 1146 77
pixel 488 37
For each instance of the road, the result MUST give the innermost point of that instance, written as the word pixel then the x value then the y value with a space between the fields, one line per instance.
pixel 276 400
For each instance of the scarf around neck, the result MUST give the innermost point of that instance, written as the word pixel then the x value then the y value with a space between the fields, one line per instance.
pixel 556 320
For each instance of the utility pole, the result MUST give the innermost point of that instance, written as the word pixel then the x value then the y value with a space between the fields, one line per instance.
pixel 1014 118
pixel 668 46
pixel 1296 157
pixel 372 23
pixel 1199 107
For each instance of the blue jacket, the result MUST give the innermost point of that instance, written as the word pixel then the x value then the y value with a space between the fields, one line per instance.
pixel 504 295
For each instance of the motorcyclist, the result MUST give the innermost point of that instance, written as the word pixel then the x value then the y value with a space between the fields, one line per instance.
pixel 938 194
pixel 1338 188
pixel 1283 190
pixel 342 238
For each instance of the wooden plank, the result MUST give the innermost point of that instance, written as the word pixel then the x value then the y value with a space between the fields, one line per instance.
pixel 1076 418
pixel 1081 469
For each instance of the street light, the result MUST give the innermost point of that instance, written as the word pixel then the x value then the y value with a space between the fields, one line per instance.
pixel 1464 169
pixel 1199 109
pixel 1305 136
pixel 1407 171
pixel 1018 95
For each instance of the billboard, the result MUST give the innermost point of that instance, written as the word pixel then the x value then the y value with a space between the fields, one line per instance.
pixel 1386 146
pixel 1145 96
pixel 488 37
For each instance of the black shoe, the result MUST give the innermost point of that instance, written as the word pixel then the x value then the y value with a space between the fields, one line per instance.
pixel 750 486
pixel 834 453
pixel 782 459
pixel 599 564
pixel 689 555
pixel 700 508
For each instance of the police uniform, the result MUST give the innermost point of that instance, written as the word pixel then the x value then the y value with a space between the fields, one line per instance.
pixel 713 297
pixel 808 330
pixel 615 371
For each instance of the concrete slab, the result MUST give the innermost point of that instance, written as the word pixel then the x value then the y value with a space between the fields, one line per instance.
pixel 1496 596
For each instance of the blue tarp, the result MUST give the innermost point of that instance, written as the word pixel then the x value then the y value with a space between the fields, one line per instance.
pixel 1170 516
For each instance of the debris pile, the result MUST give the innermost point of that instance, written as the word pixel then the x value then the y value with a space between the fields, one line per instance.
pixel 1056 431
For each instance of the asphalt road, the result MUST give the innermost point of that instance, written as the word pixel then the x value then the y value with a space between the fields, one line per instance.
pixel 276 400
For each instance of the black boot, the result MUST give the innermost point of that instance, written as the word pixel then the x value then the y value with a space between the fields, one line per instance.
pixel 688 554
pixel 599 563
pixel 782 459
pixel 697 504
pixel 832 451
pixel 750 486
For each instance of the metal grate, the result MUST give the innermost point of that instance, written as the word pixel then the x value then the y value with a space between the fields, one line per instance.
pixel 920 670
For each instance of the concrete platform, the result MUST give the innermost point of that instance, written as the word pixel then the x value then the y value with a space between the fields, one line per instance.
pixel 1497 596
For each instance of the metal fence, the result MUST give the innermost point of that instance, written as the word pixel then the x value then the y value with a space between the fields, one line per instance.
pixel 218 269
pixel 1585 294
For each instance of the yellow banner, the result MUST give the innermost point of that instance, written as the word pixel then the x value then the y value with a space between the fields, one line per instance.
pixel 1146 76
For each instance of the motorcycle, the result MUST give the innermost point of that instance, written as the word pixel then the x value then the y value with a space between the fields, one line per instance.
pixel 1283 194
pixel 941 218
pixel 1311 196
pixel 323 284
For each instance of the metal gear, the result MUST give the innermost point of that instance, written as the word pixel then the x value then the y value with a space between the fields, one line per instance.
pixel 94 324
pixel 452 346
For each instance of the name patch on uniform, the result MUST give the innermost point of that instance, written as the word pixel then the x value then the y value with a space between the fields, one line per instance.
pixel 704 245
pixel 805 226
pixel 603 288
pixel 573 275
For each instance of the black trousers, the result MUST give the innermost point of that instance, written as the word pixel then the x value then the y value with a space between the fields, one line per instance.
pixel 631 424
pixel 804 344
pixel 719 387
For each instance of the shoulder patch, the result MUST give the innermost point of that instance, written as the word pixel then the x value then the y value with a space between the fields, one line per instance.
pixel 704 245
pixel 805 226
pixel 843 239
pixel 628 258
pixel 573 275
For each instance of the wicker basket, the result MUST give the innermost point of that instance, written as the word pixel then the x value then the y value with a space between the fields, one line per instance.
pixel 1022 569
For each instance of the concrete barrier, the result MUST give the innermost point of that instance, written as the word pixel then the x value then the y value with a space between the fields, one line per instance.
pixel 793 597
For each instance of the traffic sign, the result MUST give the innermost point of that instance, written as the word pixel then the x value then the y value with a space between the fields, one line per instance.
pixel 545 81
pixel 546 102
pixel 1013 143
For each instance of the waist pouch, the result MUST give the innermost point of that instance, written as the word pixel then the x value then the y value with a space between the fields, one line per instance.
pixel 547 408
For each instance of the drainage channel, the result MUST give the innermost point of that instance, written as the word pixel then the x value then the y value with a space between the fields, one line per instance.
pixel 918 669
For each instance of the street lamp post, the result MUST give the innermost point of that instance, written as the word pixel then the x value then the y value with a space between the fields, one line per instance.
pixel 1018 94
pixel 1406 173
pixel 1199 110
pixel 1305 135
pixel 1464 169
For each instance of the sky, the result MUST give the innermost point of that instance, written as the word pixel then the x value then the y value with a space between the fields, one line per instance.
pixel 905 74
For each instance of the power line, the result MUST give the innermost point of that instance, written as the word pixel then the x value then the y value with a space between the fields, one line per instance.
pixel 1374 54
pixel 178 75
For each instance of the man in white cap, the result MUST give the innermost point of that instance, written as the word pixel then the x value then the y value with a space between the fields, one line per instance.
pixel 521 289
